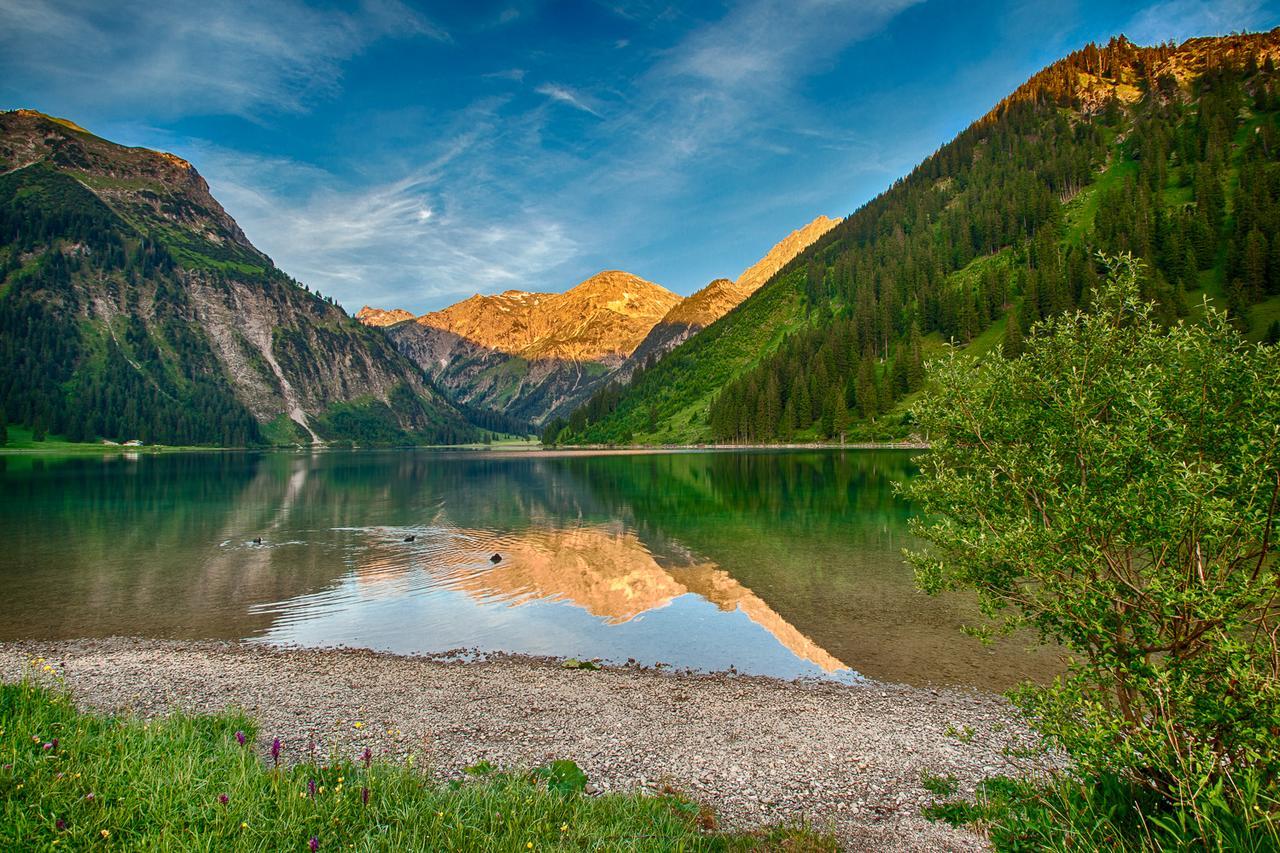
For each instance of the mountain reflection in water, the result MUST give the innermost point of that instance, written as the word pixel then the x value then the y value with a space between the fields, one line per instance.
pixel 778 563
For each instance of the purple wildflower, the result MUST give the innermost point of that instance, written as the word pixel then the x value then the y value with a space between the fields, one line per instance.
pixel 311 787
pixel 47 747
pixel 223 798
pixel 240 738
pixel 364 796
pixel 275 751
pixel 60 824
pixel 314 843
pixel 55 744
pixel 367 757
pixel 89 796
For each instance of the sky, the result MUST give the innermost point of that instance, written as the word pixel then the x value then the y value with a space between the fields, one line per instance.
pixel 408 155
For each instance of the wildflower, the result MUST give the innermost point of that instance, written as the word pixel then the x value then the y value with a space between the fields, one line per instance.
pixel 47 747
pixel 60 824
pixel 528 845
pixel 314 843
pixel 322 789
pixel 367 757
pixel 311 787
pixel 240 738
pixel 223 798
pixel 48 668
pixel 89 796
pixel 55 744
pixel 244 825
pixel 359 725
pixel 364 796
pixel 106 833
pixel 275 751
pixel 564 827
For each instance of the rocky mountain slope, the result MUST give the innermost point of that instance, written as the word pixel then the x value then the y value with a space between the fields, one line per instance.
pixel 377 317
pixel 720 297
pixel 133 306
pixel 531 354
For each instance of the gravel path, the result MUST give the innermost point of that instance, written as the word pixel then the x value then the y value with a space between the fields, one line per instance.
pixel 758 750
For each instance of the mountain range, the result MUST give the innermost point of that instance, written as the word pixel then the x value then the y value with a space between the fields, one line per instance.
pixel 535 356
pixel 133 306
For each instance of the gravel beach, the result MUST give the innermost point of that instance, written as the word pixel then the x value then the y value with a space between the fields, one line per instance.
pixel 758 750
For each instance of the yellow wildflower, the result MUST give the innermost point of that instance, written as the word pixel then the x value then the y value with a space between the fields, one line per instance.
pixel 564 827
pixel 359 725
pixel 529 845
pixel 244 825
pixel 106 833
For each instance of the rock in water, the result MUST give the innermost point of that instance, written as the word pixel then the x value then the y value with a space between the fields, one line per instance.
pixel 495 559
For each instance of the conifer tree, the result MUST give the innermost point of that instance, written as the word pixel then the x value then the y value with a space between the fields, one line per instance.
pixel 1012 346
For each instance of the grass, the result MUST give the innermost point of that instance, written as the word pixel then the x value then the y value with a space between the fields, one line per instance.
pixel 79 780
pixel 1065 813
pixel 21 441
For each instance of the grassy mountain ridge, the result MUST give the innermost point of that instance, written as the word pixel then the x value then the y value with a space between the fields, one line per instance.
pixel 133 306
pixel 1168 152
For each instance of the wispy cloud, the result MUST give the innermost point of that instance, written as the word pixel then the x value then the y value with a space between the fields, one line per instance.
pixel 215 56
pixel 414 242
pixel 565 95
pixel 1182 19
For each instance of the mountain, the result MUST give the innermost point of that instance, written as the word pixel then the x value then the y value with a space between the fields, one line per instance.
pixel 535 356
pixel 719 297
pixel 133 306
pixel 378 317
pixel 1167 152
pixel 531 354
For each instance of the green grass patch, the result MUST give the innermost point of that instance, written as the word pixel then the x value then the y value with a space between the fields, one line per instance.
pixel 79 780
pixel 1065 813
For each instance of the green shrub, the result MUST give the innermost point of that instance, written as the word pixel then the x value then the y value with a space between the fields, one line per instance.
pixel 1116 489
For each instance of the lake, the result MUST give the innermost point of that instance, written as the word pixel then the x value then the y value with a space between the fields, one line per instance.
pixel 783 563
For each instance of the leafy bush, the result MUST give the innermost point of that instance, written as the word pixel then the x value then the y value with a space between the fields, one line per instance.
pixel 1116 488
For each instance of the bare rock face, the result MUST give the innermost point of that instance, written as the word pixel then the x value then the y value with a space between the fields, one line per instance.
pixel 781 254
pixel 603 318
pixel 379 318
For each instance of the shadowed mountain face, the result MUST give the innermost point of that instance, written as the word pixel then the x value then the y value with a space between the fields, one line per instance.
pixel 123 279
pixel 539 355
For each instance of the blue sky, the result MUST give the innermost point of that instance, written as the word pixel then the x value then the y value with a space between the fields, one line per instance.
pixel 409 155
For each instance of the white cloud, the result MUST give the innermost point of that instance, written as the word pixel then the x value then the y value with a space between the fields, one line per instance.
pixel 416 242
pixel 565 95
pixel 182 58
pixel 1179 20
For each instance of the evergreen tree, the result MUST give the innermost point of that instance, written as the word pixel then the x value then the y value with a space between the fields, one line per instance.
pixel 1013 345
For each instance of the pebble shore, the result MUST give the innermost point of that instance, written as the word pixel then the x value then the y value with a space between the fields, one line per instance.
pixel 757 750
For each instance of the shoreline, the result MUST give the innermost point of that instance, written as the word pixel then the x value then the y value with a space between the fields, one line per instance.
pixel 758 750
pixel 159 449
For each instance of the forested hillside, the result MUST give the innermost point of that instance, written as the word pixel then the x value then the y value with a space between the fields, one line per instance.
pixel 1170 153
pixel 133 307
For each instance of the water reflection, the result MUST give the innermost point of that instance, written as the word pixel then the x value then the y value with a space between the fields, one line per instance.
pixel 778 563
